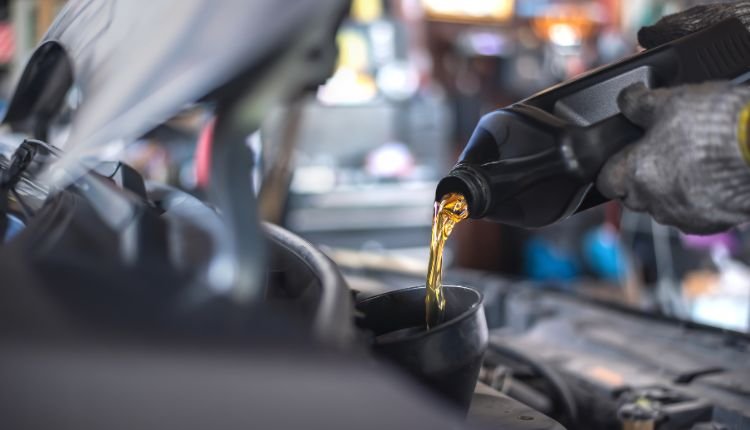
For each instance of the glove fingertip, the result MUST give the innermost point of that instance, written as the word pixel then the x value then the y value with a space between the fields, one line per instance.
pixel 677 25
pixel 636 103
pixel 653 36
pixel 613 178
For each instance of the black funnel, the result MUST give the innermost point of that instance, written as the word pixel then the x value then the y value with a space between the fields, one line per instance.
pixel 446 358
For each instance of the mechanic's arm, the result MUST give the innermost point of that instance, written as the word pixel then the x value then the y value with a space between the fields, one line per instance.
pixel 692 167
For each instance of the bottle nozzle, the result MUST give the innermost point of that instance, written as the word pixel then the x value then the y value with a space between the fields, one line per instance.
pixel 465 180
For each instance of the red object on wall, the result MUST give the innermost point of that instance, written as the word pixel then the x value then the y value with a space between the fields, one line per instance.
pixel 7 42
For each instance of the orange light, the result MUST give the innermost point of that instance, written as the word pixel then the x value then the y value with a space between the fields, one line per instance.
pixel 564 25
pixel 469 11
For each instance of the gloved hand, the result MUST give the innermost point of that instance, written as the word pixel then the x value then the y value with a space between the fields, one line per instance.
pixel 689 169
pixel 674 26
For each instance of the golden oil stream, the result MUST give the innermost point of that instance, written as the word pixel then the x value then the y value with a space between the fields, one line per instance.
pixel 449 211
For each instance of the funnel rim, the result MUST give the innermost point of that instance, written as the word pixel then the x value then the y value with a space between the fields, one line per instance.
pixel 442 326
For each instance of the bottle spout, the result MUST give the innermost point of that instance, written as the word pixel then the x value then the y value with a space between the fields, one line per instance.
pixel 468 181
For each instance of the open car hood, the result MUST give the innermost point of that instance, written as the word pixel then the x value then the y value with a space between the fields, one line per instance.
pixel 135 65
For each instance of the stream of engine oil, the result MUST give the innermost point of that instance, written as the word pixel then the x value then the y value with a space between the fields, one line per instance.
pixel 449 211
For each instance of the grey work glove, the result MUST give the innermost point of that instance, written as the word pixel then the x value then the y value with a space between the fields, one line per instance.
pixel 688 170
pixel 691 20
